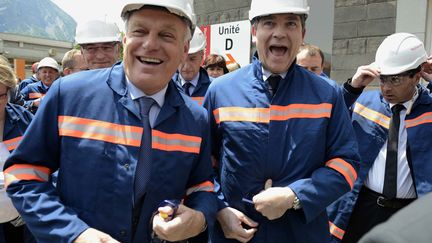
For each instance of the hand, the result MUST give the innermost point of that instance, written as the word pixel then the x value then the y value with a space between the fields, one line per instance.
pixel 91 235
pixel 273 202
pixel 36 102
pixel 231 221
pixel 426 72
pixel 185 224
pixel 364 76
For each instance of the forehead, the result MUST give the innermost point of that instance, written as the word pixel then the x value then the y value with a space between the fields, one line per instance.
pixel 156 18
pixel 283 16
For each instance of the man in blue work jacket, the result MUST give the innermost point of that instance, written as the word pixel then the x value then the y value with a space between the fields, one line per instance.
pixel 393 129
pixel 191 77
pixel 121 147
pixel 281 135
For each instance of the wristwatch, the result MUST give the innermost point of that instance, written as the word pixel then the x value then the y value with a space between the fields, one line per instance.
pixel 296 204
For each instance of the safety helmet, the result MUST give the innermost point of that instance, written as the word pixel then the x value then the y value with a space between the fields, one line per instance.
pixel 182 8
pixel 48 62
pixel 34 67
pixel 267 7
pixel 198 42
pixel 400 52
pixel 96 31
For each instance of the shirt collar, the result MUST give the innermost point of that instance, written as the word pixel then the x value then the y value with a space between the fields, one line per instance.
pixel 194 81
pixel 409 104
pixel 135 93
pixel 267 74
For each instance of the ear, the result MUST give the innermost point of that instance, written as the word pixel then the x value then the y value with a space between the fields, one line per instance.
pixel 253 30
pixel 185 51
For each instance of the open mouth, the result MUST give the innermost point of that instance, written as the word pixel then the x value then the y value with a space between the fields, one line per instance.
pixel 278 50
pixel 149 60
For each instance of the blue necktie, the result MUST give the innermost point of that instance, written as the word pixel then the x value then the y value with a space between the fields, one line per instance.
pixel 390 176
pixel 186 88
pixel 273 82
pixel 142 172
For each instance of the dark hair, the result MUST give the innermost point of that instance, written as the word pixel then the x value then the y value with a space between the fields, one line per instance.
pixel 214 60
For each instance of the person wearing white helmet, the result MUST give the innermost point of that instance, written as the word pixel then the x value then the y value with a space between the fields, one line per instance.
pixel 281 137
pixel 48 71
pixel 132 151
pixel 100 43
pixel 191 77
pixel 391 126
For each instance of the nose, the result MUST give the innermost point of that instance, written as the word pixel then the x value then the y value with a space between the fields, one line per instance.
pixel 151 42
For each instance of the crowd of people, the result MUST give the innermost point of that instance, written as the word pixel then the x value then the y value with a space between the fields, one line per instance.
pixel 163 144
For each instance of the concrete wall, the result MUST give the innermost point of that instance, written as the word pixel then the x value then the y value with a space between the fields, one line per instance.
pixel 359 28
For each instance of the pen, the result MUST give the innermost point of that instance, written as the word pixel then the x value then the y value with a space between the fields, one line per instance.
pixel 247 201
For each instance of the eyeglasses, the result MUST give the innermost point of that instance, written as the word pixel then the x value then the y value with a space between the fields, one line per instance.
pixel 93 48
pixel 397 79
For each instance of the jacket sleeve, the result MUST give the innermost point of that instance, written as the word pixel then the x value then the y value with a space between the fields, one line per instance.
pixel 27 176
pixel 338 172
pixel 350 94
pixel 200 193
pixel 215 148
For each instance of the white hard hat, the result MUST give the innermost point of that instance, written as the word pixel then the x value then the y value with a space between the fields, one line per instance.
pixel 400 52
pixel 198 42
pixel 48 62
pixel 182 8
pixel 96 31
pixel 267 7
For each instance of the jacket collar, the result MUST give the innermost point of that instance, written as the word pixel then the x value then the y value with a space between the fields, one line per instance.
pixel 117 82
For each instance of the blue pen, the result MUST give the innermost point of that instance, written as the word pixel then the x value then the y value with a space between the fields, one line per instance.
pixel 247 201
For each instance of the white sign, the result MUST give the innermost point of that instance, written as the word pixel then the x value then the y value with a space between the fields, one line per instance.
pixel 232 40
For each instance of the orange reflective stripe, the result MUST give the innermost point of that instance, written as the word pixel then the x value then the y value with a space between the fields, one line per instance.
pixel 336 231
pixel 344 168
pixel 281 113
pixel 11 144
pixel 423 119
pixel 239 114
pixel 175 142
pixel 372 115
pixel 199 100
pixel 35 95
pixel 202 187
pixel 99 130
pixel 26 172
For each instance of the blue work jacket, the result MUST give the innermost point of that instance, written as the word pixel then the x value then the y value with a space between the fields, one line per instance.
pixel 371 115
pixel 26 82
pixel 301 138
pixel 16 122
pixel 89 129
pixel 201 87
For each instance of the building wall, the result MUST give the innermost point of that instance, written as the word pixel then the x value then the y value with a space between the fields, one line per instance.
pixel 359 28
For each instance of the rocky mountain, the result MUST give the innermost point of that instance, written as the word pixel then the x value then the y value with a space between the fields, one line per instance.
pixel 37 18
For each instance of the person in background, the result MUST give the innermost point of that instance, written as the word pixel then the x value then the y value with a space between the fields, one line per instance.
pixel 48 72
pixel 215 65
pixel 33 79
pixel 14 96
pixel 393 129
pixel 191 77
pixel 124 140
pixel 281 136
pixel 73 61
pixel 312 58
pixel 100 43
pixel 14 121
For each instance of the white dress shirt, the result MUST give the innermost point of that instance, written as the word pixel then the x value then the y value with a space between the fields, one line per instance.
pixel 159 97
pixel 375 177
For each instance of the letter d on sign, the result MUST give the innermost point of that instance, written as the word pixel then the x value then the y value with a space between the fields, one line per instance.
pixel 228 44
